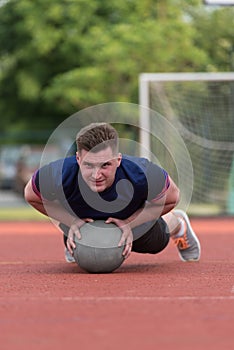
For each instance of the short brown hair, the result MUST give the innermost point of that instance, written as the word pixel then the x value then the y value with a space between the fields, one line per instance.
pixel 97 136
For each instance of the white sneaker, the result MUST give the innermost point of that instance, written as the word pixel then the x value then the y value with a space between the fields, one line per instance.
pixel 68 257
pixel 188 245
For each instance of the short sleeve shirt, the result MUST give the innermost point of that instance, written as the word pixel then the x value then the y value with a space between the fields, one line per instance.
pixel 137 180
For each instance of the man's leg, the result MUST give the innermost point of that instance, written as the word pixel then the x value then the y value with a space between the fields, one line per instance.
pixel 154 240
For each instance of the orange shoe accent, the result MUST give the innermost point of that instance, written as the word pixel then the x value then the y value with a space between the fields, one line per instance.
pixel 181 242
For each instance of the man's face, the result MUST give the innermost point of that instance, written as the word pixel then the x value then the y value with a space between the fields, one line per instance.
pixel 98 169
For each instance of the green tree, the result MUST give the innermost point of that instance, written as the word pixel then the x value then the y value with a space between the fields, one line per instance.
pixel 39 40
pixel 58 57
pixel 215 35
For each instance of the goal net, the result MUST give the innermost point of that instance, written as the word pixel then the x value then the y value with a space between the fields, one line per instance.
pixel 201 107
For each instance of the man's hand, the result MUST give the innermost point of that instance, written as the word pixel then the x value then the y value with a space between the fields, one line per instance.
pixel 127 236
pixel 75 231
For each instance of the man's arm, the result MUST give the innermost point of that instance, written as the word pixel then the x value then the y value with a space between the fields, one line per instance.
pixel 150 212
pixel 154 209
pixel 157 208
pixel 49 208
pixel 54 210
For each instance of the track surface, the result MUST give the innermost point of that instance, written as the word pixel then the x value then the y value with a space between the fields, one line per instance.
pixel 150 302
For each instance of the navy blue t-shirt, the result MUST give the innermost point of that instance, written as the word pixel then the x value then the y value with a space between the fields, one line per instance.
pixel 137 180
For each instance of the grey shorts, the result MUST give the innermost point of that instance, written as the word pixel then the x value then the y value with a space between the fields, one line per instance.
pixel 154 240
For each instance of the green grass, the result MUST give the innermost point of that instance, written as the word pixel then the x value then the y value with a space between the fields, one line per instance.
pixel 21 214
pixel 204 209
pixel 27 213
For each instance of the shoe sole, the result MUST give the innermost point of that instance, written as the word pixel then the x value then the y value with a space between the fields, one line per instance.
pixel 69 260
pixel 182 214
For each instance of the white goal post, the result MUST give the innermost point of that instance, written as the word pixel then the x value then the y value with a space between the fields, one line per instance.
pixel 201 107
pixel 219 2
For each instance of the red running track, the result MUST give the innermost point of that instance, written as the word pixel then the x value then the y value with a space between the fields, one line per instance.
pixel 150 302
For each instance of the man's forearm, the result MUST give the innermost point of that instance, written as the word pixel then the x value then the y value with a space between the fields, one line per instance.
pixel 149 213
pixel 154 210
pixel 53 210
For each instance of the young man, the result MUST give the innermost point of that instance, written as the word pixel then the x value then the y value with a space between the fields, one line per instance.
pixel 101 183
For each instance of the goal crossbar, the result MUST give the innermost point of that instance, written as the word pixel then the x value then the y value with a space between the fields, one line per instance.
pixel 225 76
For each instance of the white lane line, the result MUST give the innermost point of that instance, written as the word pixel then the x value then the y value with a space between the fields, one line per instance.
pixel 45 262
pixel 116 298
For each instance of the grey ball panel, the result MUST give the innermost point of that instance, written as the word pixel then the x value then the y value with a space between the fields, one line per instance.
pixel 97 251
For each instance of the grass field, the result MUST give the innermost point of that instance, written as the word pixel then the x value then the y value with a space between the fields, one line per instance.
pixel 24 213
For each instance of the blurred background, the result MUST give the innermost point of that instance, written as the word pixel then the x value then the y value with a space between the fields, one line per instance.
pixel 59 57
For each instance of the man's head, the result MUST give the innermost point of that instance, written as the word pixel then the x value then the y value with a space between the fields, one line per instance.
pixel 97 136
pixel 97 155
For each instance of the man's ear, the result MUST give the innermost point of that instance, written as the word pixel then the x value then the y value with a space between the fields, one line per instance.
pixel 78 157
pixel 119 158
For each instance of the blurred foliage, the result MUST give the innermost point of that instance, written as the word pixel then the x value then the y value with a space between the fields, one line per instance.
pixel 58 57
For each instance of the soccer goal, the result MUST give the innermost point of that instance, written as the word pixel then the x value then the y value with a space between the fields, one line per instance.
pixel 201 108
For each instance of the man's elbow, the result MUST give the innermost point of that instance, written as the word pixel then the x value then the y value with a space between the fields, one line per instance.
pixel 28 193
pixel 177 196
pixel 174 198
